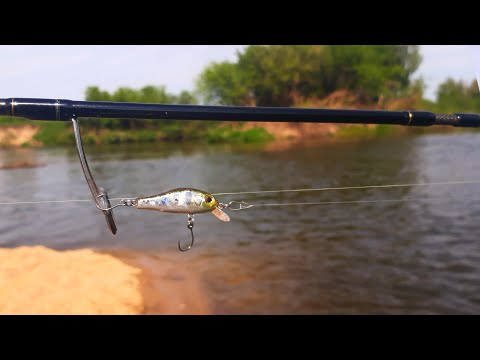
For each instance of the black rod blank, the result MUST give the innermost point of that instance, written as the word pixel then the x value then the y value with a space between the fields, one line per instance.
pixel 65 110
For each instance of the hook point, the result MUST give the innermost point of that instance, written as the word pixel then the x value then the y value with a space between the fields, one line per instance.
pixel 190 227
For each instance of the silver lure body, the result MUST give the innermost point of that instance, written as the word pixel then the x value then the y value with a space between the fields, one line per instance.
pixel 182 200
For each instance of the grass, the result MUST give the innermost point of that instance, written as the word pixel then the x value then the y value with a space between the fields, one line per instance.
pixel 7 120
pixel 54 133
pixel 362 131
pixel 51 133
pixel 230 134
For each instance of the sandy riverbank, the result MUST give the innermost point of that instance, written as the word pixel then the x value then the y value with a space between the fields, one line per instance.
pixel 39 280
pixel 168 284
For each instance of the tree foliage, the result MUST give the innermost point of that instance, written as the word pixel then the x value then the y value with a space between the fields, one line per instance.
pixel 283 75
pixel 278 75
pixel 458 96
pixel 147 94
pixel 222 84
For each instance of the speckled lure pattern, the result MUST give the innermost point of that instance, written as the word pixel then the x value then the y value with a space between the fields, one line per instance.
pixel 182 201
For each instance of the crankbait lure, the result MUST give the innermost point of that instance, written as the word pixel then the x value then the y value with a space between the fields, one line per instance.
pixel 184 201
pixel 181 201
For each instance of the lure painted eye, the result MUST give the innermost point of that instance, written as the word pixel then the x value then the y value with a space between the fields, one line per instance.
pixel 208 199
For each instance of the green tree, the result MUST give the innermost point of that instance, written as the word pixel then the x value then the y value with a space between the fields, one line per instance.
pixel 147 94
pixel 374 70
pixel 93 93
pixel 223 84
pixel 185 97
pixel 279 75
pixel 453 95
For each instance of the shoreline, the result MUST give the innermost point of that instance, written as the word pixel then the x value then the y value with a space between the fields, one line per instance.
pixel 96 282
pixel 166 285
pixel 270 134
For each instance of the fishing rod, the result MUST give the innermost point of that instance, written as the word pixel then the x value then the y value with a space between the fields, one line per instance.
pixel 65 110
pixel 192 201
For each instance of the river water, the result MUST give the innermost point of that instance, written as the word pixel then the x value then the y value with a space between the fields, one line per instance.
pixel 418 257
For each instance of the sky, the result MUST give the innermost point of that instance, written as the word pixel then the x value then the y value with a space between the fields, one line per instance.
pixel 64 72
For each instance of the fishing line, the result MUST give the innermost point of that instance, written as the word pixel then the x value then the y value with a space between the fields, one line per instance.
pixel 49 201
pixel 248 205
pixel 269 191
pixel 280 191
pixel 350 187
pixel 39 202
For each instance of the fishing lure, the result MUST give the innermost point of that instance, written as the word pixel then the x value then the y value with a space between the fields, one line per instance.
pixel 184 201
pixel 180 201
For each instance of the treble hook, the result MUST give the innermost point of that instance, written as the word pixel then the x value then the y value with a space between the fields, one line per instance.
pixel 190 224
